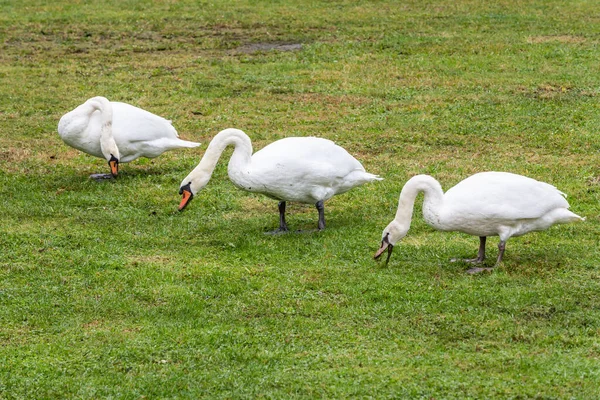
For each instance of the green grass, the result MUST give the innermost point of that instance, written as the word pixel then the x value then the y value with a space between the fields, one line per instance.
pixel 106 291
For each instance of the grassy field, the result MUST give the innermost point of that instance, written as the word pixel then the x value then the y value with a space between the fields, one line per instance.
pixel 107 291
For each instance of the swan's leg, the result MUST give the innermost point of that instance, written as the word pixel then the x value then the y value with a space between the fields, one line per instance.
pixel 501 247
pixel 282 225
pixel 321 209
pixel 480 254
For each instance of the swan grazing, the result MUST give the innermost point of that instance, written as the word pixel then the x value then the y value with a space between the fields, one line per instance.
pixel 118 132
pixel 303 169
pixel 485 204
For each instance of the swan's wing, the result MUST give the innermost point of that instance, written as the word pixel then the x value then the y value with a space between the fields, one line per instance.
pixel 501 195
pixel 303 169
pixel 306 156
pixel 132 124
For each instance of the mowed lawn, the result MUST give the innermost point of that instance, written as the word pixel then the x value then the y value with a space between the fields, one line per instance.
pixel 107 291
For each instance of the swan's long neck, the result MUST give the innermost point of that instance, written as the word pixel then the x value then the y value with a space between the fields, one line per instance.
pixel 107 141
pixel 432 202
pixel 238 164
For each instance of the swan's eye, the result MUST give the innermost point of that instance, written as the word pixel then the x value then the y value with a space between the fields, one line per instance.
pixel 385 238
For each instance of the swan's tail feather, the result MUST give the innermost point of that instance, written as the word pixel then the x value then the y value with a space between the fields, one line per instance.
pixel 185 143
pixel 364 176
pixel 372 177
pixel 578 218
pixel 359 177
pixel 564 216
pixel 159 146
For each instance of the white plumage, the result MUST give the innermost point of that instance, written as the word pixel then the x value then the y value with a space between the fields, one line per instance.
pixel 103 129
pixel 303 169
pixel 485 204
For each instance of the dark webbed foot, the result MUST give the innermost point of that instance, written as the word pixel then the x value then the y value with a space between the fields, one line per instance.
pixel 277 231
pixel 478 270
pixel 101 177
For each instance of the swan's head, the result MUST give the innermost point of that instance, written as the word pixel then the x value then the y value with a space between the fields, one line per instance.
pixel 391 235
pixel 190 187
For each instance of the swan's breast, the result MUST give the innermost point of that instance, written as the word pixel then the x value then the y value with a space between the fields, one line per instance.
pixel 81 131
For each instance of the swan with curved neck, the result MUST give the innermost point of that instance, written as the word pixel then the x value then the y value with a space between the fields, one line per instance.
pixel 302 169
pixel 118 132
pixel 485 204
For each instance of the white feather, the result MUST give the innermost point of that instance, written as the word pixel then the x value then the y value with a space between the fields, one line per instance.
pixel 135 132
pixel 302 169
pixel 485 204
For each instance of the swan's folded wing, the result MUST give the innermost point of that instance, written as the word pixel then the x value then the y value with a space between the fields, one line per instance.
pixel 303 169
pixel 136 125
pixel 504 196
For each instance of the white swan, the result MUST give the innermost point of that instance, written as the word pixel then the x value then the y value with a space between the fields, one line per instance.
pixel 118 132
pixel 485 204
pixel 303 169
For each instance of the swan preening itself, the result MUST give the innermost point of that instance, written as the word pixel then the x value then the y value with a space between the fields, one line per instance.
pixel 303 169
pixel 118 132
pixel 485 204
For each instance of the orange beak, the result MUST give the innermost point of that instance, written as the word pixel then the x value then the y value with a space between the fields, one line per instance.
pixel 187 196
pixel 186 192
pixel 113 163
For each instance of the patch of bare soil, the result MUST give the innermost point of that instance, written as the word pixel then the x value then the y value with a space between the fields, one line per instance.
pixel 258 47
